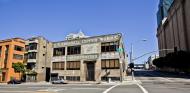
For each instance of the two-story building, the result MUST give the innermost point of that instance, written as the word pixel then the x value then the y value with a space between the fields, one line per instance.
pixel 95 58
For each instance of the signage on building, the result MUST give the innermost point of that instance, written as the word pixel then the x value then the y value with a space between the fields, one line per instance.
pixel 75 57
pixel 88 40
pixel 90 48
pixel 82 57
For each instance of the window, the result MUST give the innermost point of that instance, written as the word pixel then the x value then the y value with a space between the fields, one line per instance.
pixel 109 46
pixel 110 64
pixel 73 65
pixel 32 46
pixel 17 56
pixel 0 50
pixel 58 65
pixel 59 51
pixel 19 48
pixel 73 78
pixel 73 50
pixel 32 55
pixel 27 47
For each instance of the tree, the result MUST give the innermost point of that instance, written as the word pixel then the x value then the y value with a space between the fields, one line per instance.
pixel 19 68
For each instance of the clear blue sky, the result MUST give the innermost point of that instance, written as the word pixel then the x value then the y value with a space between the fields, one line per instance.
pixel 54 19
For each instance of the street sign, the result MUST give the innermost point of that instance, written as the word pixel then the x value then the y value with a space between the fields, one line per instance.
pixel 119 50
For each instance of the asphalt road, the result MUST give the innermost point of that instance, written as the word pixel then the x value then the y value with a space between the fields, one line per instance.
pixel 145 82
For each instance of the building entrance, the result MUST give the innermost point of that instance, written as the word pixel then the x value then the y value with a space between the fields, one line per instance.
pixel 90 71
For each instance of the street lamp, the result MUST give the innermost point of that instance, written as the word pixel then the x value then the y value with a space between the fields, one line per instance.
pixel 131 56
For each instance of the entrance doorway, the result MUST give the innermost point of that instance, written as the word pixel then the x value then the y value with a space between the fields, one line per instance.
pixel 90 71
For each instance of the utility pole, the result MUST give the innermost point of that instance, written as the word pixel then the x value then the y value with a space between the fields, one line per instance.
pixel 131 61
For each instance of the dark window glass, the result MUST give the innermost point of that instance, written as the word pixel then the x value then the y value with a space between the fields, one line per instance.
pixel 32 55
pixel 17 56
pixel 32 46
pixel 73 78
pixel 109 46
pixel 0 50
pixel 73 50
pixel 58 65
pixel 27 47
pixel 18 48
pixel 110 64
pixel 73 65
pixel 59 51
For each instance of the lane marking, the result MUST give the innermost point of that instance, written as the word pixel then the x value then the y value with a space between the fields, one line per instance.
pixel 142 88
pixel 107 90
pixel 16 91
pixel 88 88
pixel 50 90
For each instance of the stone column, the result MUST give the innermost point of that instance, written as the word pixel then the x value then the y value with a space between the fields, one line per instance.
pixel 82 71
pixel 98 70
pixel 65 67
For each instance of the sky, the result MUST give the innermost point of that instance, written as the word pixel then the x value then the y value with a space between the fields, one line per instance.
pixel 54 19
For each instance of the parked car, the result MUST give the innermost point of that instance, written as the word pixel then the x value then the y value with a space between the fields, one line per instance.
pixel 58 81
pixel 14 81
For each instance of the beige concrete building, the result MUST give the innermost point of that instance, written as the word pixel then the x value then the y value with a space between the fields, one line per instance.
pixel 38 57
pixel 175 28
pixel 94 58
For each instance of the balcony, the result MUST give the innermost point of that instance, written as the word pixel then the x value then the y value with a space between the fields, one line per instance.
pixel 33 50
pixel 33 41
pixel 31 61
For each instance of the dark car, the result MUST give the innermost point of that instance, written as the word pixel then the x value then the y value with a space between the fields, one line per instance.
pixel 58 81
pixel 14 81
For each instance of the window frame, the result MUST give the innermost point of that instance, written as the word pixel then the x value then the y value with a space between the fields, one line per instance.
pixel 107 64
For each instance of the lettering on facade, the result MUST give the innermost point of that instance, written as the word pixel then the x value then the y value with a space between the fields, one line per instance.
pixel 109 55
pixel 84 57
pixel 91 48
pixel 88 40
pixel 75 58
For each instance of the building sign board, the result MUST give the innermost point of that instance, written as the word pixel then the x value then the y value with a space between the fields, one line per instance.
pixel 87 40
pixel 75 57
pixel 90 48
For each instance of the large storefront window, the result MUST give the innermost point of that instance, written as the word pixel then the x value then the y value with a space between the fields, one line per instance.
pixel 73 65
pixel 110 64
pixel 59 51
pixel 109 46
pixel 58 65
pixel 73 50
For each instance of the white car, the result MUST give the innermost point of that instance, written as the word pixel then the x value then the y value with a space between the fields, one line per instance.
pixel 58 81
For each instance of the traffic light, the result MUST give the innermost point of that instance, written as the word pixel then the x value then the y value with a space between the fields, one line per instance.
pixel 131 65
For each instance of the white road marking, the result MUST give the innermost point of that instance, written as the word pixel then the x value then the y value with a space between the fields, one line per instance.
pixel 40 87
pixel 16 91
pixel 54 90
pixel 9 87
pixel 142 88
pixel 107 90
pixel 87 88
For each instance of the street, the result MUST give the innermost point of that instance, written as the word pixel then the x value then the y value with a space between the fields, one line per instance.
pixel 145 82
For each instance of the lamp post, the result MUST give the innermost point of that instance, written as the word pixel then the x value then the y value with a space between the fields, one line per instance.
pixel 131 57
